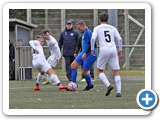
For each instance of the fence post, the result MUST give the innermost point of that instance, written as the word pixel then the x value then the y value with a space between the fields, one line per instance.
pixel 29 15
pixel 95 23
pixel 127 59
pixel 112 20
pixel 46 18
pixel 63 19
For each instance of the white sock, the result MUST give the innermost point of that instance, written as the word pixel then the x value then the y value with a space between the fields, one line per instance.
pixel 104 79
pixel 39 78
pixel 55 79
pixel 48 78
pixel 118 83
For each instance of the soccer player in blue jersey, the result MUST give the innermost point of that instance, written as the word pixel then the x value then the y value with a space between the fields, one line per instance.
pixel 85 58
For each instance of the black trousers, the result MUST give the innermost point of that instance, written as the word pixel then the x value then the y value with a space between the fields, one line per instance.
pixel 68 61
pixel 11 70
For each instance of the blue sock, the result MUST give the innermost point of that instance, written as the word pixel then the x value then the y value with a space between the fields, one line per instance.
pixel 59 84
pixel 88 80
pixel 74 75
pixel 37 84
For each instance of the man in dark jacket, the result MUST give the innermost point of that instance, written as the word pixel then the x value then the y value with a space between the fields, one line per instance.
pixel 68 39
pixel 78 49
pixel 11 61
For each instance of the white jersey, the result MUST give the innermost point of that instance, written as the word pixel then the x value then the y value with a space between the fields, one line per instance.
pixel 106 35
pixel 53 47
pixel 35 44
pixel 39 60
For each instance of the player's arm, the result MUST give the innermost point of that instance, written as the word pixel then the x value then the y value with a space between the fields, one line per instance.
pixel 120 48
pixel 93 40
pixel 78 46
pixel 33 44
pixel 58 56
pixel 88 36
pixel 57 52
pixel 77 36
pixel 118 37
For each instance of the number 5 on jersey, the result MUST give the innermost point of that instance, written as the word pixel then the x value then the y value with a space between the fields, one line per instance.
pixel 107 36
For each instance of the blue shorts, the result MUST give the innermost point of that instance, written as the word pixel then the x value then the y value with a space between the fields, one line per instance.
pixel 87 62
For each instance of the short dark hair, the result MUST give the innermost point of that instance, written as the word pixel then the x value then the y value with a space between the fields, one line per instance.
pixel 20 40
pixel 45 31
pixel 81 23
pixel 103 17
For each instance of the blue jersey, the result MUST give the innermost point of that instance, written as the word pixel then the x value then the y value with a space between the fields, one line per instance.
pixel 86 38
pixel 86 48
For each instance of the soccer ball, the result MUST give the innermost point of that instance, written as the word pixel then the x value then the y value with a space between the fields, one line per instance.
pixel 72 86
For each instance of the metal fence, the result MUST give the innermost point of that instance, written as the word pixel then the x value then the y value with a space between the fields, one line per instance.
pixel 136 60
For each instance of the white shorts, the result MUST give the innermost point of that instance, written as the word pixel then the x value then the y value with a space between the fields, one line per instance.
pixel 41 64
pixel 108 56
pixel 52 61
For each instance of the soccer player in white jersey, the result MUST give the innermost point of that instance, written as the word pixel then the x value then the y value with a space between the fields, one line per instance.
pixel 39 62
pixel 106 35
pixel 55 56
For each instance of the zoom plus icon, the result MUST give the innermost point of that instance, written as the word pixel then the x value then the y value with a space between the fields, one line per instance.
pixel 147 99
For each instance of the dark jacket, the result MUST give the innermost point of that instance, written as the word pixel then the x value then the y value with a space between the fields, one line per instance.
pixel 79 45
pixel 68 39
pixel 11 52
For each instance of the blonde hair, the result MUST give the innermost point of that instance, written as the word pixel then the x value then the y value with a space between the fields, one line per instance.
pixel 38 37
